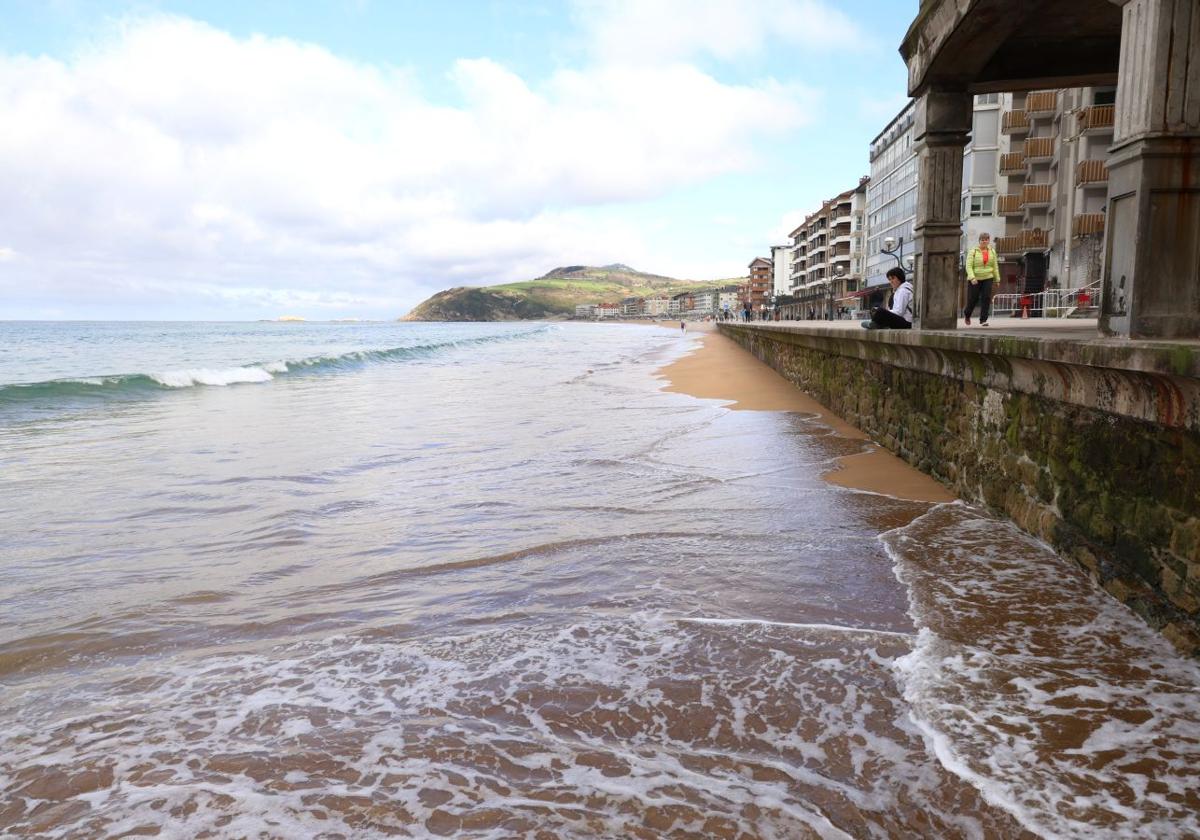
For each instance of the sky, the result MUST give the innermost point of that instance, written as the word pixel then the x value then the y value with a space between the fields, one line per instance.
pixel 348 158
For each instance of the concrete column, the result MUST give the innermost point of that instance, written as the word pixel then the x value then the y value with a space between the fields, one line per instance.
pixel 1152 236
pixel 941 123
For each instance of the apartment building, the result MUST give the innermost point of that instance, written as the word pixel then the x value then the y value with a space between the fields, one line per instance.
pixel 729 299
pixel 828 259
pixel 658 306
pixel 1056 164
pixel 631 307
pixel 983 186
pixel 585 310
pixel 758 287
pixel 705 303
pixel 781 256
pixel 891 206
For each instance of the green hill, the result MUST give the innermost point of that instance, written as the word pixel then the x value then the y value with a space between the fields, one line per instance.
pixel 553 295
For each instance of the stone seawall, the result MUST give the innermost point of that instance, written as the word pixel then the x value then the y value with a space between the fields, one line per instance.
pixel 1093 446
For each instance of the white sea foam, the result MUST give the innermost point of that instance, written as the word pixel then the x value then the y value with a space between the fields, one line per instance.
pixel 583 730
pixel 1048 696
pixel 208 376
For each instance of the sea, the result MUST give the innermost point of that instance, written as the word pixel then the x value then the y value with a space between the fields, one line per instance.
pixel 307 580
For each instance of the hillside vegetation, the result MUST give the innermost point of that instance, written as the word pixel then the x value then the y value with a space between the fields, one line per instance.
pixel 553 295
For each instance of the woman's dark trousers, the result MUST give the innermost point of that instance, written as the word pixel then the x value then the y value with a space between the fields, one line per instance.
pixel 980 293
pixel 886 320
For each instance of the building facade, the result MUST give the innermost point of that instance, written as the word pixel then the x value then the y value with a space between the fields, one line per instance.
pixel 891 205
pixel 983 186
pixel 658 306
pixel 1056 159
pixel 781 258
pixel 758 287
pixel 828 259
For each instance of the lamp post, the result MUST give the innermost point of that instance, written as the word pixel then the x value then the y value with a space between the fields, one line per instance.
pixel 839 272
pixel 893 249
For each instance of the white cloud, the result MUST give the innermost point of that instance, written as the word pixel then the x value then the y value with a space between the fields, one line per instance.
pixel 656 30
pixel 7 254
pixel 175 159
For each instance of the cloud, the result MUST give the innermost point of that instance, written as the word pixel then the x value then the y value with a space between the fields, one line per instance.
pixel 175 161
pixel 645 31
pixel 7 254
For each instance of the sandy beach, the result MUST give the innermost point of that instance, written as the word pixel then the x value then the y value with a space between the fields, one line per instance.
pixel 722 370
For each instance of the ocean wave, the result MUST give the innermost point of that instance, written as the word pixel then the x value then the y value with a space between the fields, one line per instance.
pixel 134 384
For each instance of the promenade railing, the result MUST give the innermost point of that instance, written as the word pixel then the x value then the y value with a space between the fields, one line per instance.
pixel 1052 303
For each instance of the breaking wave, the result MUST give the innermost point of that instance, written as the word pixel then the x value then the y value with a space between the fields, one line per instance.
pixel 134 384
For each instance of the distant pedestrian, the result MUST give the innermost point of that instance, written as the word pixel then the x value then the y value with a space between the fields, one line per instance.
pixel 982 270
pixel 683 326
pixel 899 312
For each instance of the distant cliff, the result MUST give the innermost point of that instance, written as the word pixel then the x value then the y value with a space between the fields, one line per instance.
pixel 553 295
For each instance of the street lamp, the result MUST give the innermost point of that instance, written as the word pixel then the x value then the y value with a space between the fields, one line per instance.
pixel 894 249
pixel 839 271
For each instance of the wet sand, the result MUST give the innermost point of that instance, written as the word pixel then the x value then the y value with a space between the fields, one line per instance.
pixel 722 370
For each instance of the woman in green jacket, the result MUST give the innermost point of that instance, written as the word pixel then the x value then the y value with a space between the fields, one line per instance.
pixel 983 267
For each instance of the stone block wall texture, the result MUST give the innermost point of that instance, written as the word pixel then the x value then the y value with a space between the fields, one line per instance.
pixel 1101 463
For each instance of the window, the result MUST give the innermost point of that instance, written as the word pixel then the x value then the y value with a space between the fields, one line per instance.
pixel 983 169
pixel 985 128
pixel 987 98
pixel 982 205
pixel 1104 97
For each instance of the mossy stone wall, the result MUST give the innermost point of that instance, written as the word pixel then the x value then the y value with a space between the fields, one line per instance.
pixel 1118 494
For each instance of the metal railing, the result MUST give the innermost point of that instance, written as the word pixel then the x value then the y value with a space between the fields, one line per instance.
pixel 1041 102
pixel 1052 303
pixel 1096 118
pixel 1014 122
pixel 1092 172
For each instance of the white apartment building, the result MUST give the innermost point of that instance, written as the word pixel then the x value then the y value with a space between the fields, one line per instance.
pixel 891 205
pixel 585 310
pixel 705 303
pixel 656 307
pixel 727 299
pixel 1054 152
pixel 781 256
pixel 983 185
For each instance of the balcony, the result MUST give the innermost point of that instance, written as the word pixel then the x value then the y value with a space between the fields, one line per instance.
pixel 1014 122
pixel 1043 103
pixel 1036 195
pixel 1087 224
pixel 1010 205
pixel 1098 119
pixel 1009 246
pixel 1012 163
pixel 1039 149
pixel 1092 173
pixel 1035 239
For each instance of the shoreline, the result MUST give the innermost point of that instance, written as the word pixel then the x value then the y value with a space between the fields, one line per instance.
pixel 719 369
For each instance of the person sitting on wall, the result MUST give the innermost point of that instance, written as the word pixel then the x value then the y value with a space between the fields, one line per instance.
pixel 899 312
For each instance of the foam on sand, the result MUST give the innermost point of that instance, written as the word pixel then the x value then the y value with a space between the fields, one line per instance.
pixel 1048 696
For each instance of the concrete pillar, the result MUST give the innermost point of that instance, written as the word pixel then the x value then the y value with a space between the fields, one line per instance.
pixel 941 123
pixel 1152 236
